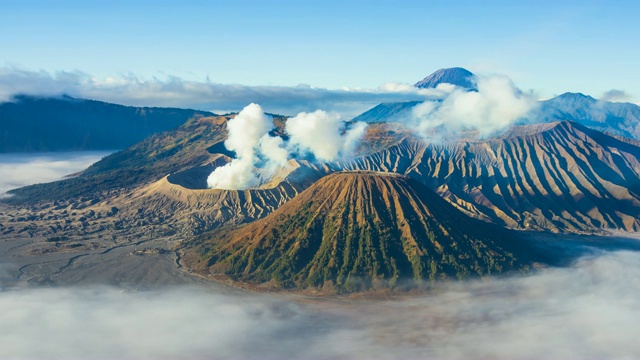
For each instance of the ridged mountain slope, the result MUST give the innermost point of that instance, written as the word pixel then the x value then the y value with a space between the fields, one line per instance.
pixel 397 111
pixel 557 176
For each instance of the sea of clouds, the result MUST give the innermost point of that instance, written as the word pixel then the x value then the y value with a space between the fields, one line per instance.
pixel 25 169
pixel 586 311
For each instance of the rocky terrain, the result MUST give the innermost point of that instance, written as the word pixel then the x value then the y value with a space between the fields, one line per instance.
pixel 560 177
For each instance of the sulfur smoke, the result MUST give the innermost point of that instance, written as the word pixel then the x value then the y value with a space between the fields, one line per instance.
pixel 259 155
pixel 322 134
pixel 496 105
pixel 246 133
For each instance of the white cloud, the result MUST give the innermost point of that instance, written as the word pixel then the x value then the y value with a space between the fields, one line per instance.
pixel 323 134
pixel 175 92
pixel 587 311
pixel 615 95
pixel 496 105
pixel 25 169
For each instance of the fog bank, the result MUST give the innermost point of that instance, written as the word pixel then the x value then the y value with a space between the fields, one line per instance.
pixel 587 311
pixel 25 169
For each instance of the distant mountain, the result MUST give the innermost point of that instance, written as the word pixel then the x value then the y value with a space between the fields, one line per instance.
pixel 29 124
pixel 456 76
pixel 622 119
pixel 401 110
pixel 359 231
pixel 387 112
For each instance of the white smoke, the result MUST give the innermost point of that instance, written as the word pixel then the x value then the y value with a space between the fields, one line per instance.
pixel 273 147
pixel 323 134
pixel 496 105
pixel 319 133
pixel 246 131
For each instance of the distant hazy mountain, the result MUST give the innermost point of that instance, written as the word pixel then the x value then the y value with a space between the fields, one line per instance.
pixel 29 124
pixel 622 119
pixel 387 112
pixel 456 76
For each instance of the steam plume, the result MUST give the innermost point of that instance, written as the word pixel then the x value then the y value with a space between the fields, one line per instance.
pixel 322 134
pixel 245 133
pixel 496 105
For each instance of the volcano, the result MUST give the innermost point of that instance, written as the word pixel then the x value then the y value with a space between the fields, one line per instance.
pixel 357 231
pixel 456 76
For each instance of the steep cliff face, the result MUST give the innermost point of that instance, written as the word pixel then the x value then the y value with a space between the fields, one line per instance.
pixel 357 231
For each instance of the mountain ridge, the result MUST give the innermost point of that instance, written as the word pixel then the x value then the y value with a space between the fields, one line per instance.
pixel 560 177
pixel 64 123
pixel 621 119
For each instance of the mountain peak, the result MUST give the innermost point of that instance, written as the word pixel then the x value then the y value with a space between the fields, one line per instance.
pixel 575 96
pixel 456 76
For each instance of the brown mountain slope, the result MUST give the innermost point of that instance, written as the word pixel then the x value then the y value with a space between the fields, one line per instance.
pixel 559 177
pixel 357 231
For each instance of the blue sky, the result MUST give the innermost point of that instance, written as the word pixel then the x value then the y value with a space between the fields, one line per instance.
pixel 547 46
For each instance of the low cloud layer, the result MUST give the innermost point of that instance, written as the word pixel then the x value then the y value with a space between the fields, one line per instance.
pixel 25 169
pixel 205 95
pixel 496 105
pixel 615 96
pixel 259 155
pixel 588 311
